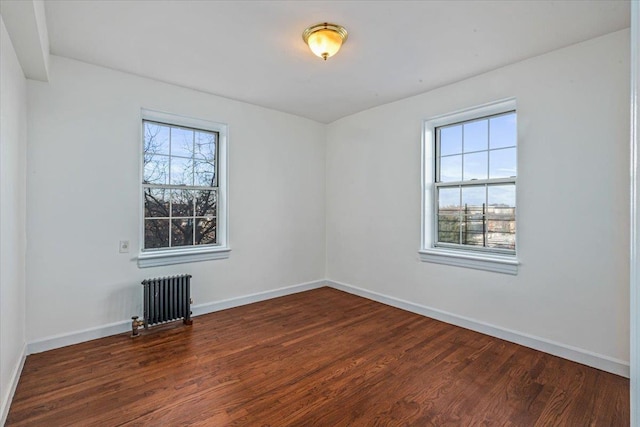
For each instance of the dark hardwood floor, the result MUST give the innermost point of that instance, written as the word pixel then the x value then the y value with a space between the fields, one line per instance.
pixel 318 358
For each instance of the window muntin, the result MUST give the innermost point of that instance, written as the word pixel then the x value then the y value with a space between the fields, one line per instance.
pixel 180 186
pixel 475 182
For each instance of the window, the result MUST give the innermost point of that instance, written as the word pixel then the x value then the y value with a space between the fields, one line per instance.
pixel 469 182
pixel 183 190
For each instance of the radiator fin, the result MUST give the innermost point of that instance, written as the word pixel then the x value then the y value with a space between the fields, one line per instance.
pixel 167 299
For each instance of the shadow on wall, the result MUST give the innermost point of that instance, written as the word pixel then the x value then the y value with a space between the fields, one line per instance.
pixel 125 301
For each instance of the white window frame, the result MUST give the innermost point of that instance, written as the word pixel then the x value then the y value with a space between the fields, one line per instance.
pixel 180 255
pixel 480 259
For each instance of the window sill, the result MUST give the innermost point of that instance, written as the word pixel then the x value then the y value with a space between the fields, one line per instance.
pixel 488 262
pixel 179 256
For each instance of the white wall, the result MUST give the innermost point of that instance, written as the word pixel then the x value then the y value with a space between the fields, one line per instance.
pixel 573 229
pixel 13 141
pixel 635 218
pixel 83 194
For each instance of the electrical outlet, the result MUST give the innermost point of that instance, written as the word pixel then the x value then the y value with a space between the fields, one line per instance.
pixel 124 246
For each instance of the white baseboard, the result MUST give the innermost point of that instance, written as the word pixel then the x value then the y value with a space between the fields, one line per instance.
pixel 15 377
pixel 599 361
pixel 585 357
pixel 76 337
pixel 257 297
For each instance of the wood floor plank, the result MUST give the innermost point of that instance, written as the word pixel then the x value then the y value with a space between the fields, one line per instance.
pixel 322 358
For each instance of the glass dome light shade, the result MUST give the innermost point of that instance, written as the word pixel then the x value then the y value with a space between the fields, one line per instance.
pixel 325 40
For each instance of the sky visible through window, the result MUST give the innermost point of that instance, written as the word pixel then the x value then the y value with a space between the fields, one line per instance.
pixel 478 150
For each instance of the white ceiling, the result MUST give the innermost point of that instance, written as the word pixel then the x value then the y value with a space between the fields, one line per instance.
pixel 253 50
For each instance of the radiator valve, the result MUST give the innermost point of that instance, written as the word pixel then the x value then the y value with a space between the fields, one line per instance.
pixel 135 324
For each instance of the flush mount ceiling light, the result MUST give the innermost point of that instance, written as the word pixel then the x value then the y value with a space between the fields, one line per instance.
pixel 325 39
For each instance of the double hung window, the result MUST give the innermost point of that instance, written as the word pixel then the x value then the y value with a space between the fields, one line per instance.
pixel 183 189
pixel 470 187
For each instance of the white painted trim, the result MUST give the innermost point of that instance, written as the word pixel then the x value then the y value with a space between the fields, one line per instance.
pixel 585 357
pixel 634 279
pixel 488 109
pixel 27 27
pixel 155 259
pixel 211 307
pixel 76 337
pixel 181 120
pixel 475 260
pixel 15 378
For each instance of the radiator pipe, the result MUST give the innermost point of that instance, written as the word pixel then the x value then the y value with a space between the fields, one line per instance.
pixel 135 324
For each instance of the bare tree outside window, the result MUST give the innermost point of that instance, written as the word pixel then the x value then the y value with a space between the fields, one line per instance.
pixel 180 186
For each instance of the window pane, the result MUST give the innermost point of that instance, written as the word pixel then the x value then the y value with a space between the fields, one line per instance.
pixel 451 169
pixel 182 232
pixel 156 168
pixel 206 203
pixel 448 227
pixel 473 205
pixel 204 173
pixel 205 231
pixel 156 139
pixel 156 233
pixel 502 195
pixel 205 148
pixel 475 166
pixel 474 196
pixel 473 231
pixel 476 135
pixel 181 171
pixel 503 131
pixel 449 215
pixel 181 203
pixel 501 217
pixel 181 142
pixel 156 202
pixel 501 240
pixel 450 140
pixel 502 163
pixel 449 198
